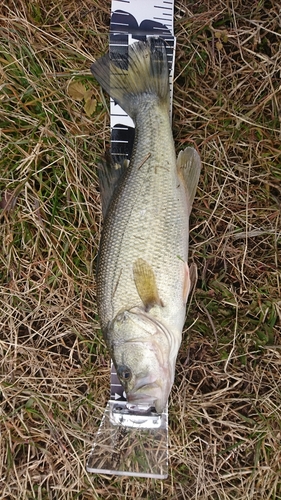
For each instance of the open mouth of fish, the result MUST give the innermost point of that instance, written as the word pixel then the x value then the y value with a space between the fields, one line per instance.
pixel 147 395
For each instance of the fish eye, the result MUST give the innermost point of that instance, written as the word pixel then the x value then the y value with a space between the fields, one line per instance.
pixel 124 373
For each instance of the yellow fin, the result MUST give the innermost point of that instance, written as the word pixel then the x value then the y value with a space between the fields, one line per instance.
pixel 146 284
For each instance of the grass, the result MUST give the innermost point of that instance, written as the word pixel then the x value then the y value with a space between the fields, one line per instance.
pixel 225 417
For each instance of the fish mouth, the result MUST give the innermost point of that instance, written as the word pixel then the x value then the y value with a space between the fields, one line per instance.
pixel 149 395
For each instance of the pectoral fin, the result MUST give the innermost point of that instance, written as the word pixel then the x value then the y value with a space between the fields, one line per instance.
pixel 189 167
pixel 146 284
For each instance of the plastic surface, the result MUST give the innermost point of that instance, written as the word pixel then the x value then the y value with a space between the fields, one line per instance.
pixel 131 444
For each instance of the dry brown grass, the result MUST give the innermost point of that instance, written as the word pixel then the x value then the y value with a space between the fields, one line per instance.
pixel 225 416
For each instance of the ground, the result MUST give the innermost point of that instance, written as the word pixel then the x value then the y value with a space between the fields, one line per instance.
pixel 225 418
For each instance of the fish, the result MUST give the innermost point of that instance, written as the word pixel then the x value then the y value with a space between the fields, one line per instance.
pixel 143 278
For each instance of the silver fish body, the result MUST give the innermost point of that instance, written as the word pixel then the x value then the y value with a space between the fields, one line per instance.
pixel 143 278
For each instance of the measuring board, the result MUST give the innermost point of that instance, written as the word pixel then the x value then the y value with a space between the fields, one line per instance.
pixel 128 442
pixel 127 26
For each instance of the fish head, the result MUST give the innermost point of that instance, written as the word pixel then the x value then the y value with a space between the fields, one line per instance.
pixel 140 348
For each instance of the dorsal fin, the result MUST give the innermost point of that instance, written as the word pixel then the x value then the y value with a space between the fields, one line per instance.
pixel 110 173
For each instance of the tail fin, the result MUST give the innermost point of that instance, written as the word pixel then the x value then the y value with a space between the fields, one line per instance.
pixel 143 72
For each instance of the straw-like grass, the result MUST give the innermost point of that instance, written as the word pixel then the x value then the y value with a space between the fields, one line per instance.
pixel 225 407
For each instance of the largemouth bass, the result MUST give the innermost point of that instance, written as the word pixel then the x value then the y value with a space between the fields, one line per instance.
pixel 143 278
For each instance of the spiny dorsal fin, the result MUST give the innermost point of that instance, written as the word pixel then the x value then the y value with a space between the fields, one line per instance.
pixel 189 167
pixel 146 284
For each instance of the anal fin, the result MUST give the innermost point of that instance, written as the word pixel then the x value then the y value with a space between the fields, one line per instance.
pixel 193 273
pixel 189 167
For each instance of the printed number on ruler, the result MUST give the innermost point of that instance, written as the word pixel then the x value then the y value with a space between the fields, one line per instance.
pixel 133 20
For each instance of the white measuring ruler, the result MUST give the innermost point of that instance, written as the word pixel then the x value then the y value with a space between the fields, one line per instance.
pixel 131 21
pixel 133 441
